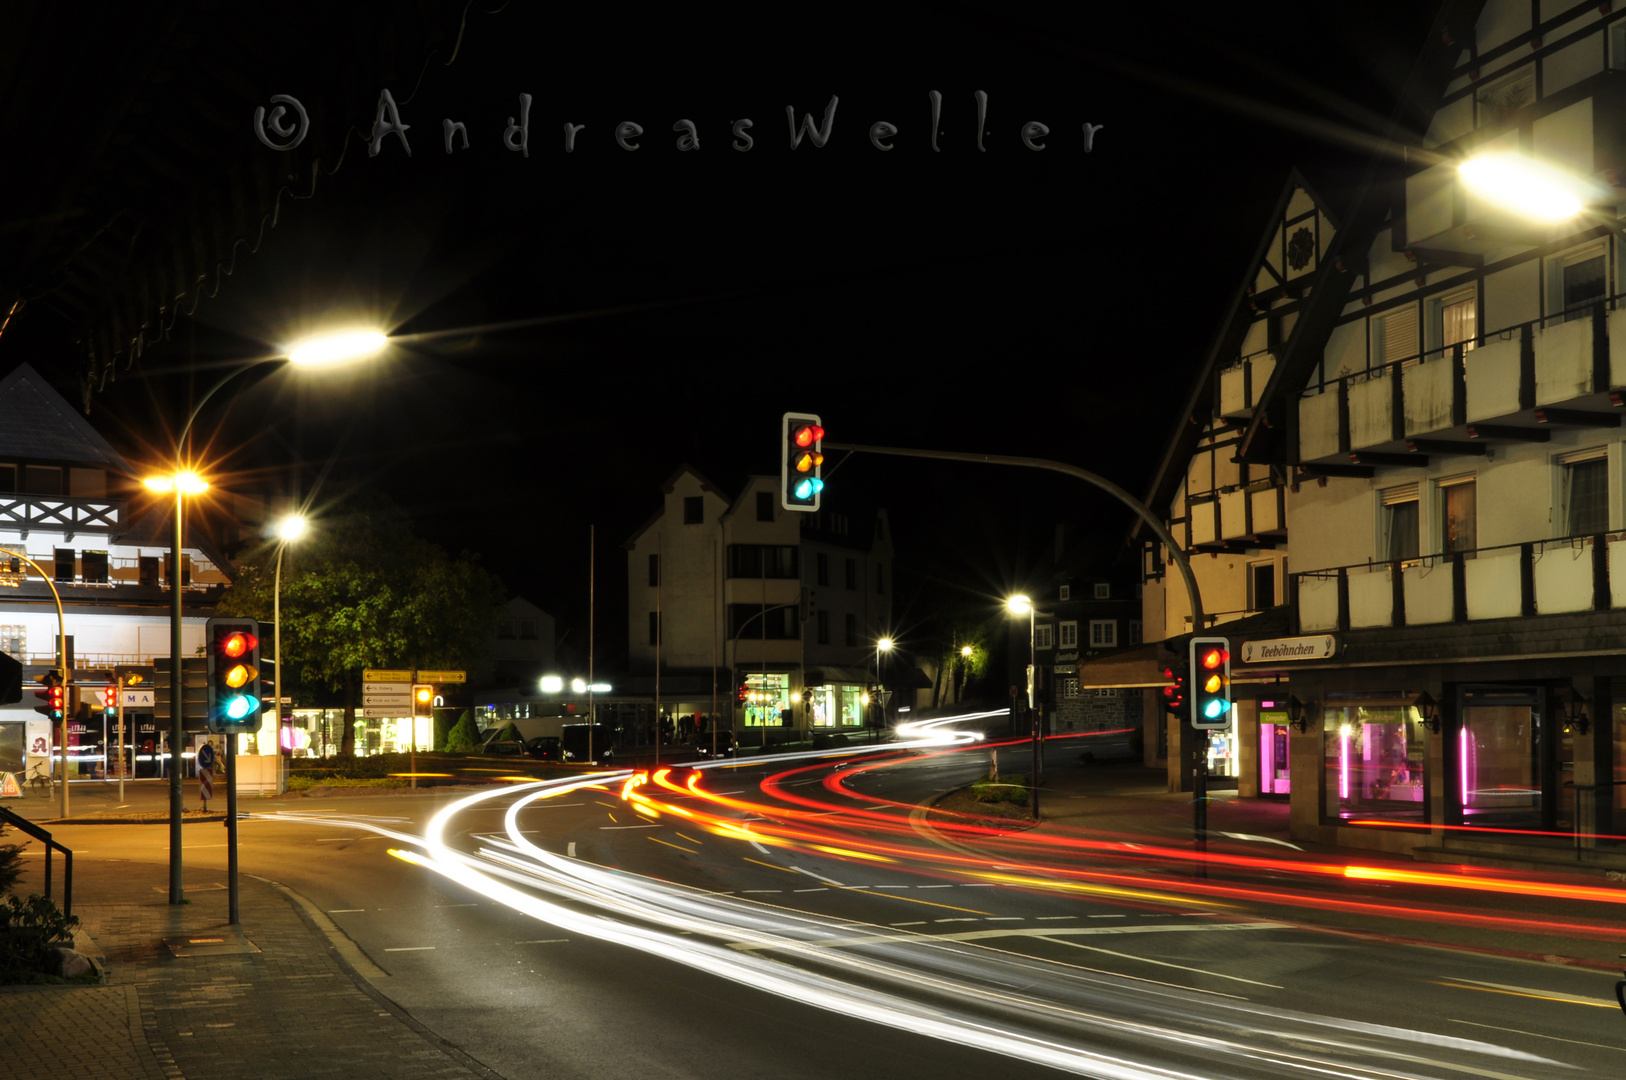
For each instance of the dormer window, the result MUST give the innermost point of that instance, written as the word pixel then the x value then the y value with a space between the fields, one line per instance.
pixel 1066 592
pixel 1103 591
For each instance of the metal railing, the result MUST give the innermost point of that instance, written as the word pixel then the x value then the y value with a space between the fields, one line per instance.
pixel 10 818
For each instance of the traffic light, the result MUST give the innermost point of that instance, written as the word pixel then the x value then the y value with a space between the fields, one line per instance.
pixel 744 691
pixel 234 675
pixel 1175 688
pixel 423 700
pixel 1211 690
pixel 801 461
pixel 53 698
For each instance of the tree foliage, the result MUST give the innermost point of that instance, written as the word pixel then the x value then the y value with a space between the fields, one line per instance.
pixel 464 734
pixel 361 591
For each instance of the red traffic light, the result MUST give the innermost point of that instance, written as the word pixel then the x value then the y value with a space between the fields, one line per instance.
pixel 1214 658
pixel 238 644
pixel 809 434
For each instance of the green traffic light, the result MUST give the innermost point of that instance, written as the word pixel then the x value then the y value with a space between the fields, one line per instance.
pixel 1216 708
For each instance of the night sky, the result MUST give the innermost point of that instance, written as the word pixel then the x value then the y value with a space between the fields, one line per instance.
pixel 583 323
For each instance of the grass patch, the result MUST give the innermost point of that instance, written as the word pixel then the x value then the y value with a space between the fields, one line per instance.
pixel 1011 789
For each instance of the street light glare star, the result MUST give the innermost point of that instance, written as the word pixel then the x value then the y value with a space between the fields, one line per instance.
pixel 292 527
pixel 339 348
pixel 1019 605
pixel 884 644
pixel 1524 186
pixel 187 483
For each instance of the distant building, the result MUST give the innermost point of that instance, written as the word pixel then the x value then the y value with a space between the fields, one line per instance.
pixel 784 606
pixel 521 651
pixel 74 505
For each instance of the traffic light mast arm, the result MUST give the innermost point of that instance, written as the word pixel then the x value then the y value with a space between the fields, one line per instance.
pixel 1198 622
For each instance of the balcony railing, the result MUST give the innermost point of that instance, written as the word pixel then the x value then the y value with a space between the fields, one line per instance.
pixel 59 512
pixel 1561 369
pixel 1541 577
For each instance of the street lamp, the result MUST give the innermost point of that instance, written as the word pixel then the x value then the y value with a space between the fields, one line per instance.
pixel 1021 605
pixel 324 351
pixel 1527 187
pixel 882 646
pixel 287 530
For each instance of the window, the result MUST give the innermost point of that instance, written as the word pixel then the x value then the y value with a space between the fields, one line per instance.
pixel 694 510
pixel 1459 523
pixel 880 578
pixel 752 622
pixel 42 480
pixel 147 569
pixel 1069 687
pixel 1066 592
pixel 1574 283
pixel 1585 493
pixel 822 561
pixel 1103 633
pixel 1453 320
pixel 63 568
pixel 850 626
pixel 1394 336
pixel 764 560
pixel 1134 631
pixel 527 630
pixel 654 628
pixel 13 640
pixel 1069 635
pixel 764 506
pixel 654 571
pixel 1400 523
pixel 93 567
pixel 8 478
pixel 852 574
pixel 823 623
pixel 1041 637
pixel 1261 586
pixel 1103 591
pixel 1499 100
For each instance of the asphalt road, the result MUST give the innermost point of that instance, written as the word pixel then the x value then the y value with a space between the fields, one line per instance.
pixel 812 928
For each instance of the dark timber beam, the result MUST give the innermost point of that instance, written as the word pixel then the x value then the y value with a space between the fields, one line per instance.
pixel 1365 472
pixel 1501 431
pixel 1444 446
pixel 1577 418
pixel 1367 457
pixel 1442 257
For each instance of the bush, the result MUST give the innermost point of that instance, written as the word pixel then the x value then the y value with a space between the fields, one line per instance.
pixel 1012 789
pixel 464 736
pixel 11 867
pixel 28 930
pixel 306 781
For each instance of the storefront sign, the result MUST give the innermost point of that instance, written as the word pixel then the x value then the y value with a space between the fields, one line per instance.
pixel 1276 650
pixel 138 699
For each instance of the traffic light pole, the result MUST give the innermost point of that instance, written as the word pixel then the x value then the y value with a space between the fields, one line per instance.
pixel 61 665
pixel 177 682
pixel 1178 557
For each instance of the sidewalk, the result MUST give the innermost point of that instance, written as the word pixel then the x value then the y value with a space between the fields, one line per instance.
pixel 188 996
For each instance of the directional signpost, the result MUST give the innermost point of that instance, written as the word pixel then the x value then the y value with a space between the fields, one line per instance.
pixel 386 694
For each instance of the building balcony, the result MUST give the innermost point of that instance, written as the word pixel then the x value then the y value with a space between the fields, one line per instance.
pixel 1565 575
pixel 1513 385
pixel 59 513
pixel 1242 384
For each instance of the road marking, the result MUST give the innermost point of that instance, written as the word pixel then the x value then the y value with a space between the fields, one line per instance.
pixel 613 828
pixel 601 802
pixel 918 922
pixel 335 839
pixel 570 850
pixel 748 892
pixel 1524 991
pixel 769 865
pixel 1159 963
pixel 443 906
pixel 820 877
pixel 1536 1034
pixel 411 948
pixel 543 941
pixel 1006 918
pixel 611 816
pixel 885 886
pixel 1106 916
pixel 544 804
pixel 675 847
pixel 690 839
pixel 1047 918
pixel 344 910
pixel 934 886
pixel 820 889
pixel 959 919
pixel 1058 933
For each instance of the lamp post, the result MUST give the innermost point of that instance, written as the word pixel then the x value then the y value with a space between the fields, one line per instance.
pixel 325 351
pixel 289 529
pixel 881 646
pixel 1021 605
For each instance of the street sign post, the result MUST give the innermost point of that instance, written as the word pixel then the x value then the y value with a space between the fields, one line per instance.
pixel 443 677
pixel 382 700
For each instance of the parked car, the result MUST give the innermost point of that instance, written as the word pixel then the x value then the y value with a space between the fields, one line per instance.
pixel 726 746
pixel 505 747
pixel 574 740
pixel 546 748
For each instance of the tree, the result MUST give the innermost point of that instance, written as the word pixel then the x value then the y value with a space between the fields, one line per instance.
pixel 362 592
pixel 962 655
pixel 464 735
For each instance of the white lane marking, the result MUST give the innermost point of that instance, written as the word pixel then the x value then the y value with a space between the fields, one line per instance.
pixel 1537 1034
pixel 544 804
pixel 821 888
pixel 543 941
pixel 411 948
pixel 980 885
pixel 748 892
pixel 934 886
pixel 918 922
pixel 570 850
pixel 759 847
pixel 335 839
pixel 956 920
pixel 1047 918
pixel 1106 916
pixel 1159 963
pixel 889 886
pixel 1260 839
pixel 444 906
pixel 817 877
pixel 612 828
pixel 344 910
pixel 1554 995
pixel 1004 918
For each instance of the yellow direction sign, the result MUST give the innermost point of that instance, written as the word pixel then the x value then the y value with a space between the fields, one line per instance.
pixel 371 675
pixel 443 676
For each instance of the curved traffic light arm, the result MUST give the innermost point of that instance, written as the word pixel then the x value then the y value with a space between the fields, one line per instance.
pixel 1146 515
pixel 62 665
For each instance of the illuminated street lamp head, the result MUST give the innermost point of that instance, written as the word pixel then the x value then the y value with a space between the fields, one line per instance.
pixel 552 684
pixel 578 686
pixel 885 644
pixel 1524 186
pixel 1019 605
pixel 340 348
pixel 187 483
pixel 291 527
pixel 965 650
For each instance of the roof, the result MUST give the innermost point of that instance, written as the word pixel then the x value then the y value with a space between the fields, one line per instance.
pixel 38 424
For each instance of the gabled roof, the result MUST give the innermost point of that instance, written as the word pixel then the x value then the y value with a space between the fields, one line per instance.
pixel 667 488
pixel 38 424
pixel 1198 410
